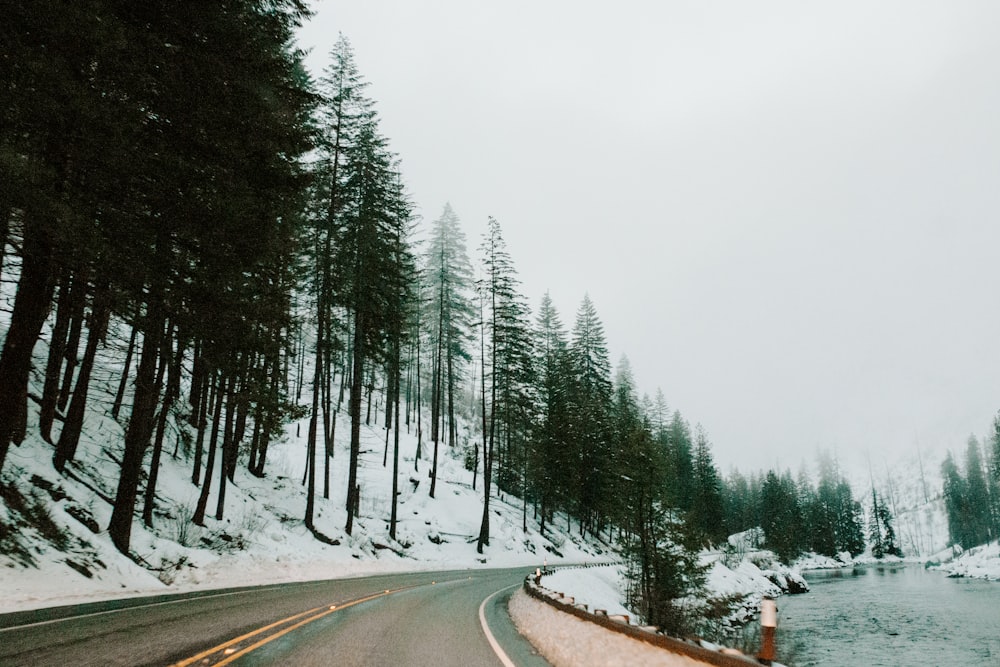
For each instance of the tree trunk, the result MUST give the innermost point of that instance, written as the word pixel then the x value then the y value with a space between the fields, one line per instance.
pixel 53 365
pixel 78 303
pixel 436 401
pixel 227 449
pixel 355 409
pixel 206 404
pixel 31 306
pixel 140 427
pixel 218 390
pixel 123 383
pixel 173 391
pixel 69 437
pixel 395 442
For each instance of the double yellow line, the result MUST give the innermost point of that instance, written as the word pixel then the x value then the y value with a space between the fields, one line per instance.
pixel 231 650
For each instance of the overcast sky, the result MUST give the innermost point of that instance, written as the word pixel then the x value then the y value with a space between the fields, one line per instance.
pixel 786 213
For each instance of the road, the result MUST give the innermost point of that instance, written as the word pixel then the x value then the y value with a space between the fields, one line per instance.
pixel 427 618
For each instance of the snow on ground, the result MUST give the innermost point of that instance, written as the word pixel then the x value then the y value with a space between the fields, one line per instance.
pixel 567 641
pixel 745 583
pixel 814 561
pixel 981 562
pixel 596 587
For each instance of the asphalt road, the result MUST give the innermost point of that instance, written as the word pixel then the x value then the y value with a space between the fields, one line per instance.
pixel 427 618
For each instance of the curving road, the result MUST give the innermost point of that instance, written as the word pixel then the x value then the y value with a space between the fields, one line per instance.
pixel 429 618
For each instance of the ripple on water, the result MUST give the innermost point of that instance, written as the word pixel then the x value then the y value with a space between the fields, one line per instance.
pixel 889 616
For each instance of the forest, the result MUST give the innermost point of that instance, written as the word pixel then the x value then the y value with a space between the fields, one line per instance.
pixel 178 189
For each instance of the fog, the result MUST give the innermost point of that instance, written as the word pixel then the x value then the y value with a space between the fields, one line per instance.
pixel 785 213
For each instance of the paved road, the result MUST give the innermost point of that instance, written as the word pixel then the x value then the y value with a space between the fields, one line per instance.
pixel 428 618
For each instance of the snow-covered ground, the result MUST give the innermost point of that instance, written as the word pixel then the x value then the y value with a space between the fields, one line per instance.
pixel 567 641
pixel 981 562
pixel 746 583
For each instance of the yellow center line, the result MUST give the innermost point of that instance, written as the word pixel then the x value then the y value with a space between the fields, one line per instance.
pixel 311 615
pixel 269 638
pixel 220 647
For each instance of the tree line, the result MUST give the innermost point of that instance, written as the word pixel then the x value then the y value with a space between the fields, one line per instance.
pixel 181 196
pixel 972 491
pixel 799 516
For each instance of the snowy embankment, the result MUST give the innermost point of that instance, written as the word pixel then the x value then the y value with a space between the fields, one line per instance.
pixel 741 586
pixel 566 640
pixel 981 562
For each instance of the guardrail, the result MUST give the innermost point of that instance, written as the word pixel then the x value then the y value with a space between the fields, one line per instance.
pixel 722 657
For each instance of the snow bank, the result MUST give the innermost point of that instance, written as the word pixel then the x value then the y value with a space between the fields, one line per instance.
pixel 814 561
pixel 596 587
pixel 567 641
pixel 979 563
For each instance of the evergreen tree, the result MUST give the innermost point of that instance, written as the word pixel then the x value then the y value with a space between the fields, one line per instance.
pixel 449 312
pixel 994 475
pixel 706 514
pixel 680 461
pixel 979 524
pixel 781 516
pixel 955 502
pixel 590 401
pixel 363 270
pixel 551 464
pixel 510 369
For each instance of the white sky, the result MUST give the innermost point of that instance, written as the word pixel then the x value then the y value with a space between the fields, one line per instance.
pixel 784 212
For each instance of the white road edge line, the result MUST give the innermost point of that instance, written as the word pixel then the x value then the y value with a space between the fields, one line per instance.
pixel 507 662
pixel 130 608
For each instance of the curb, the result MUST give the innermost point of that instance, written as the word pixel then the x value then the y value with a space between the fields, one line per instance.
pixel 646 633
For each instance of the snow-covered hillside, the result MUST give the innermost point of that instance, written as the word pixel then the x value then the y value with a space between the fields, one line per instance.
pixel 911 484
pixel 54 546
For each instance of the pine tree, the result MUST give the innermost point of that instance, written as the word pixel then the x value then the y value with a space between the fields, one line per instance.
pixel 510 368
pixel 955 501
pixel 362 266
pixel 590 404
pixel 551 463
pixel 978 521
pixel 994 475
pixel 706 514
pixel 781 516
pixel 449 310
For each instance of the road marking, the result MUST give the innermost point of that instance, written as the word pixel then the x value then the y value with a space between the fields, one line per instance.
pixel 231 654
pixel 132 607
pixel 223 646
pixel 486 628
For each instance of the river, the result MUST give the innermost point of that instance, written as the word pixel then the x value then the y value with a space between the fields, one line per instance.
pixel 890 615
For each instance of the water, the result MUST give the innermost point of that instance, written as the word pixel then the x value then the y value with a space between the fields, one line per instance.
pixel 901 615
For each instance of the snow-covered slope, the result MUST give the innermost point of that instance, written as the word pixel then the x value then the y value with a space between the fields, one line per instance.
pixel 54 546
